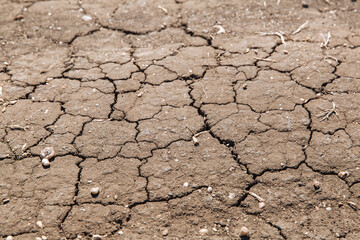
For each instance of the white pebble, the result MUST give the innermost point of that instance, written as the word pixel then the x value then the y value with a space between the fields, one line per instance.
pixel 317 184
pixel 9 238
pixel 39 224
pixel 203 231
pixel 86 18
pixel 43 238
pixel 38 238
pixel 328 208
pixel 95 191
pixel 47 153
pixel 96 237
pixel 165 232
pixel 232 195
pixel 244 231
pixel 186 184
pixel 261 205
pixel 209 189
pixel 343 174
pixel 120 232
pixel 45 162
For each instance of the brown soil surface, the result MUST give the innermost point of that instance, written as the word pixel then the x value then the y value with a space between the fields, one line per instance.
pixel 186 114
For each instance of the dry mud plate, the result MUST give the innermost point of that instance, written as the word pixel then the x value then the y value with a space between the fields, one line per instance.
pixel 179 119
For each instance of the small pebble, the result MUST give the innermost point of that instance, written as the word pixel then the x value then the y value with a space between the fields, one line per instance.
pixel 261 205
pixel 45 162
pixel 317 184
pixel 203 231
pixel 209 189
pixel 43 238
pixel 232 195
pixel 39 224
pixel 165 232
pixel 244 231
pixel 86 18
pixel 120 232
pixel 96 237
pixel 38 238
pixel 9 238
pixel 343 174
pixel 186 184
pixel 47 153
pixel 95 191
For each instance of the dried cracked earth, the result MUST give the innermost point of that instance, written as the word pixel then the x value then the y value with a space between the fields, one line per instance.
pixel 188 115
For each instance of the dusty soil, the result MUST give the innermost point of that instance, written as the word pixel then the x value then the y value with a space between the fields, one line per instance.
pixel 188 115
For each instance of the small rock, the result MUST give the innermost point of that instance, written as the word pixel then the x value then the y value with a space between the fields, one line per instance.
pixel 95 191
pixel 96 237
pixel 186 184
pixel 38 238
pixel 232 195
pixel 120 232
pixel 39 224
pixel 203 231
pixel 86 18
pixel 43 238
pixel 317 184
pixel 209 189
pixel 244 231
pixel 47 153
pixel 261 205
pixel 165 232
pixel 9 238
pixel 45 162
pixel 343 174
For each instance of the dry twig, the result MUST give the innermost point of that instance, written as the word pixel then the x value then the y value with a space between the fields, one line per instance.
pixel 17 127
pixel 326 40
pixel 164 9
pixel 265 59
pixel 327 113
pixel 257 197
pixel 203 89
pixel 195 135
pixel 300 28
pixel 279 34
pixel 326 58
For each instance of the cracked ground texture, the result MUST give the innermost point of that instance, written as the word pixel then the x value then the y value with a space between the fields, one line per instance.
pixel 187 114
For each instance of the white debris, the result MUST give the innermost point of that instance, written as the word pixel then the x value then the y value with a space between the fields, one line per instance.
pixel 232 195
pixel 95 191
pixel 221 29
pixel 39 224
pixel 45 162
pixel 244 231
pixel 165 232
pixel 86 18
pixel 96 237
pixel 203 231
